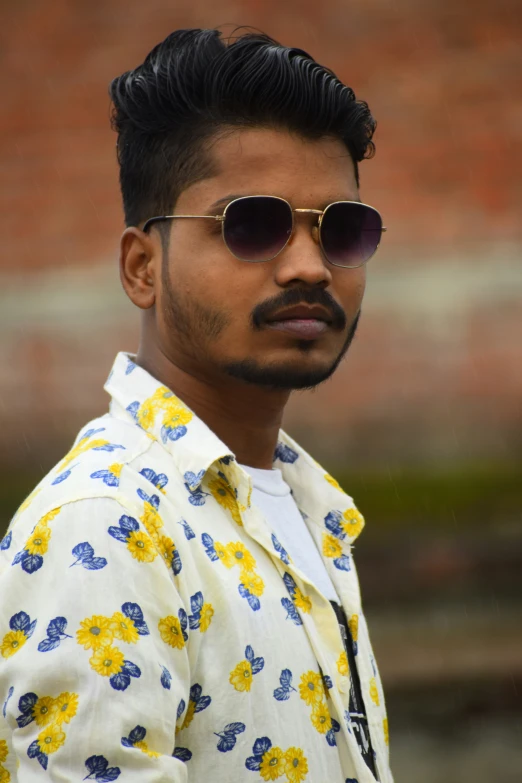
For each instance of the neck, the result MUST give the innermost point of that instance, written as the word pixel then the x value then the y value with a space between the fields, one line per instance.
pixel 246 418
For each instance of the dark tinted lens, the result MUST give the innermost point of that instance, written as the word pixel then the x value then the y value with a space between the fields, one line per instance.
pixel 257 227
pixel 350 233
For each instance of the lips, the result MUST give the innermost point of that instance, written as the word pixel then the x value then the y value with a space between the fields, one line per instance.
pixel 301 313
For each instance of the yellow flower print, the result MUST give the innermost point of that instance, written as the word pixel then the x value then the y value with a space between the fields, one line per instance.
pixel 386 731
pixel 107 661
pixel 38 541
pixel 12 642
pixel 141 547
pixel 224 555
pixel 95 632
pixel 142 745
pixel 311 688
pixel 241 556
pixel 342 664
pixel 320 718
pixel 241 676
pixel 353 625
pixel 50 516
pixel 166 548
pixel 5 776
pixel 352 522
pixel 189 715
pixel 207 613
pixel 50 739
pixel 146 415
pixel 374 693
pixel 253 582
pixel 3 751
pixel 333 482
pixel 123 628
pixel 86 444
pixel 44 711
pixel 331 546
pixel 226 497
pixel 302 601
pixel 151 519
pixel 66 707
pixel 296 765
pixel 116 469
pixel 273 764
pixel 176 415
pixel 171 632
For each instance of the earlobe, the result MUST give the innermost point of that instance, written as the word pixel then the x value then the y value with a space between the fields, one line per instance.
pixel 138 259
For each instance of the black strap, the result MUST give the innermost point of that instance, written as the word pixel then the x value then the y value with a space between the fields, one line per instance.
pixel 358 719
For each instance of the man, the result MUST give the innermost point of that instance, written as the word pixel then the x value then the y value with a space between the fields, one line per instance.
pixel 179 600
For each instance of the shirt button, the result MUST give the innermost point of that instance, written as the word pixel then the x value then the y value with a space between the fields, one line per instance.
pixel 343 684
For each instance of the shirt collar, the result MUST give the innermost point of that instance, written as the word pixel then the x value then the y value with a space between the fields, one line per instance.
pixel 195 448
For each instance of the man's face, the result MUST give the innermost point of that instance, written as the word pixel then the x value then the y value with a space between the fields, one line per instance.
pixel 212 311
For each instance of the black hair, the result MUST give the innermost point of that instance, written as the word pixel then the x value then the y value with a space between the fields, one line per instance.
pixel 193 85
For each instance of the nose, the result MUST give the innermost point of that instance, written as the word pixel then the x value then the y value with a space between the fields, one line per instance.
pixel 302 258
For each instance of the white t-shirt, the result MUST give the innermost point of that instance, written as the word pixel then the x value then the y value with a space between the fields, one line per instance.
pixel 272 495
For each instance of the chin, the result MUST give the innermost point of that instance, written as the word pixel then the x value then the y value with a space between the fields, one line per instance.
pixel 282 376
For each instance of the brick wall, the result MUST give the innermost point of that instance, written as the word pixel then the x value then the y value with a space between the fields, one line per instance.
pixel 436 368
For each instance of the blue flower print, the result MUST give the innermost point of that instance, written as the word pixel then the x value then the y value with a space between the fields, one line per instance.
pixel 25 705
pixel 62 476
pixel 257 664
pixel 202 613
pixel 34 752
pixel 351 780
pixel 228 737
pixel 99 770
pixel 285 681
pixel 253 601
pixel 126 526
pixel 133 409
pixel 138 734
pixel 5 543
pixel 197 703
pixel 166 678
pixel 261 746
pixel 159 480
pixel 9 694
pixel 328 684
pixel 332 522
pixel 183 754
pixel 121 680
pixel 330 734
pixel 134 613
pixel 208 543
pixel 110 476
pixel 84 554
pixel 130 366
pixel 285 454
pixel 279 548
pixel 152 499
pixel 193 486
pixel 181 709
pixel 342 563
pixel 189 533
pixel 21 630
pixel 291 611
pixel 55 634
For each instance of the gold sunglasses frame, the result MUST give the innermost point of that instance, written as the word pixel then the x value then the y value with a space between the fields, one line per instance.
pixel 320 212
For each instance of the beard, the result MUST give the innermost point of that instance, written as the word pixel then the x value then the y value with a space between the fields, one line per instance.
pixel 199 327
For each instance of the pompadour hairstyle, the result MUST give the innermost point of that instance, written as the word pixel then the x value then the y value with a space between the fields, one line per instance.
pixel 193 85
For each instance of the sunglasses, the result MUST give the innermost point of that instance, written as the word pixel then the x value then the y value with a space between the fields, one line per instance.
pixel 258 228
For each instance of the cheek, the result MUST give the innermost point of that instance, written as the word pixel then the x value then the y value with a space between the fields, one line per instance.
pixel 351 287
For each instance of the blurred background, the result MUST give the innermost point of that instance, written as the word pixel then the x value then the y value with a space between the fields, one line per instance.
pixel 422 424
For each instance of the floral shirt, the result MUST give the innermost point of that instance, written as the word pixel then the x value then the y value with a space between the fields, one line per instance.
pixel 153 628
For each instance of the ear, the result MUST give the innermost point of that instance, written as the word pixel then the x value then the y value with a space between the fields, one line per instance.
pixel 140 266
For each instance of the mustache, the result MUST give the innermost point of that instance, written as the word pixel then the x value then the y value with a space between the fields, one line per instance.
pixel 298 296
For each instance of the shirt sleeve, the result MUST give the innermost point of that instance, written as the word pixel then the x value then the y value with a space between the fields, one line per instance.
pixel 94 667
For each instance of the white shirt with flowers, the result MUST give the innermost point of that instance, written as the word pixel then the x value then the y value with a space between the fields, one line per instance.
pixel 153 628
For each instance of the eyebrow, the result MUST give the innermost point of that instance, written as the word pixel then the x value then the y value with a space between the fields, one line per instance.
pixel 227 199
